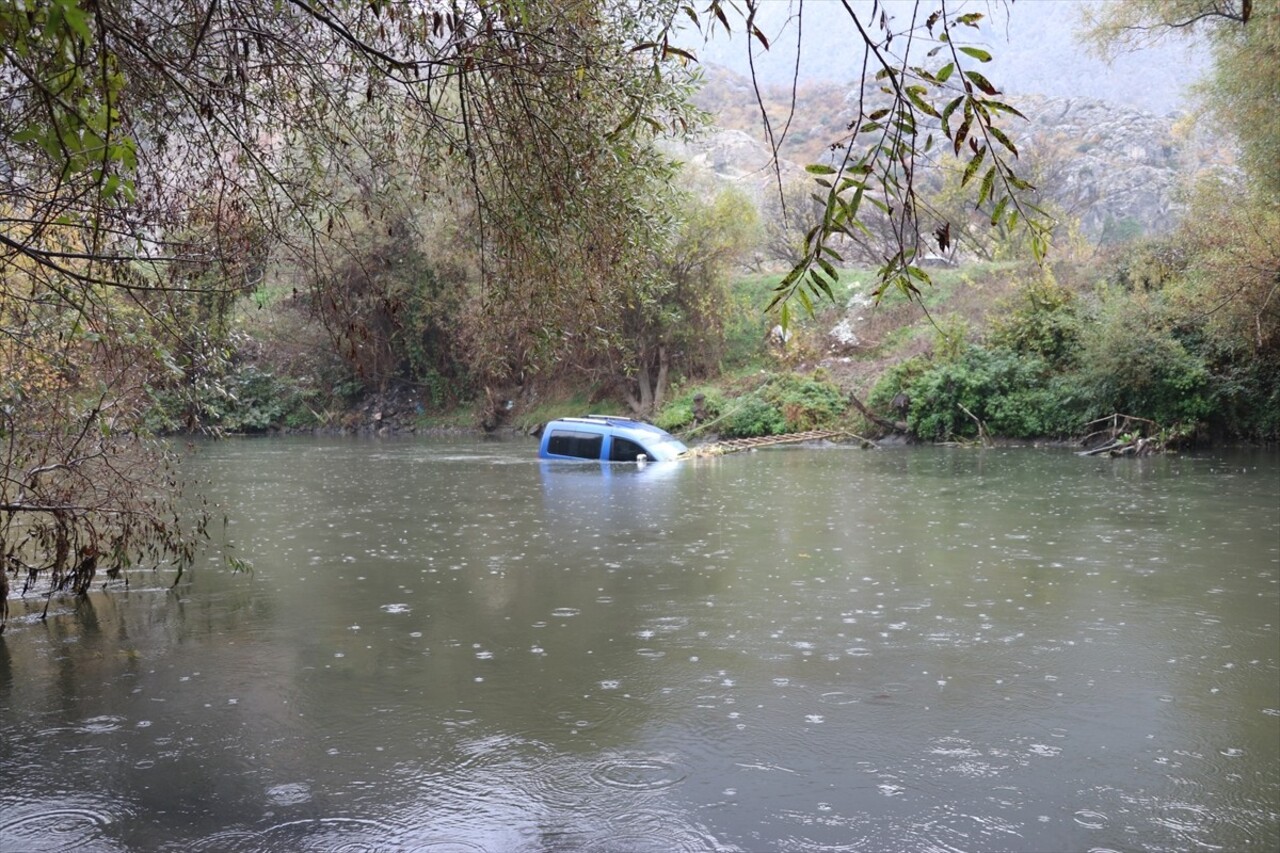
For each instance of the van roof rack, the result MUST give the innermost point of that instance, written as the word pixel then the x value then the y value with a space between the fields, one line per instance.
pixel 614 418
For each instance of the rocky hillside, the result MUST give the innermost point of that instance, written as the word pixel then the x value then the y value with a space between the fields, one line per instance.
pixel 1116 168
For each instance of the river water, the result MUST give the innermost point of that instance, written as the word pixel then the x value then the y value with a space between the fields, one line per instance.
pixel 444 645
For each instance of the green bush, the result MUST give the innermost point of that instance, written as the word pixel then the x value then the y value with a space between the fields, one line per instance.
pixel 1146 265
pixel 894 381
pixel 1014 395
pixel 938 394
pixel 805 402
pixel 1247 394
pixel 247 399
pixel 677 414
pixel 1054 409
pixel 788 403
pixel 1134 363
pixel 1041 320
pixel 751 416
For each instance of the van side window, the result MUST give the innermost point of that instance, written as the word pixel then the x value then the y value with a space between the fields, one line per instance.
pixel 625 450
pixel 584 445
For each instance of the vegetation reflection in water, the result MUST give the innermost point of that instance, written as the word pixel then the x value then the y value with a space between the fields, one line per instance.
pixel 446 646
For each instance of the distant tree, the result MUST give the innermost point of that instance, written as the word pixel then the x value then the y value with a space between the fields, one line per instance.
pixel 568 192
pixel 1242 88
pixel 1229 243
pixel 787 215
pixel 947 207
pixel 676 320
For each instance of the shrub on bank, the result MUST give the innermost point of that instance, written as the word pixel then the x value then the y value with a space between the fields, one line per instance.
pixel 784 403
pixel 1011 394
pixel 679 414
pixel 245 400
pixel 1134 361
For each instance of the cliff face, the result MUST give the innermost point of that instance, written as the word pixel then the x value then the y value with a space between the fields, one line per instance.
pixel 1117 169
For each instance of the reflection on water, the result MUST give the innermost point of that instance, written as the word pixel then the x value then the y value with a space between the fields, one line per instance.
pixel 448 646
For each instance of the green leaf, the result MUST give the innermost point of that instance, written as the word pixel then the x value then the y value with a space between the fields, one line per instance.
pixel 854 203
pixel 961 135
pixel 944 74
pixel 684 55
pixel 67 12
pixel 1018 183
pixel 719 13
pixel 819 169
pixel 982 82
pixel 805 301
pixel 919 102
pixel 977 53
pixel 828 268
pixel 974 164
pixel 819 286
pixel 999 211
pixel 1002 139
pixel 988 183
pixel 946 114
pixel 1000 106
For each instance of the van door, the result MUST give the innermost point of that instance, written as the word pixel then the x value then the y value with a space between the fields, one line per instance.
pixel 575 444
pixel 626 450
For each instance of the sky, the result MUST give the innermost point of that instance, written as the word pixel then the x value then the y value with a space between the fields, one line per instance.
pixel 1033 41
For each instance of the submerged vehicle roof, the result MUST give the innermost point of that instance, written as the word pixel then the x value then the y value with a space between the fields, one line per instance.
pixel 619 437
pixel 616 421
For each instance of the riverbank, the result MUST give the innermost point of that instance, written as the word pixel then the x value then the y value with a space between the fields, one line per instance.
pixel 988 352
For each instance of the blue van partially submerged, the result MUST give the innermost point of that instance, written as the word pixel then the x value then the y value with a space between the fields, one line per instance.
pixel 608 439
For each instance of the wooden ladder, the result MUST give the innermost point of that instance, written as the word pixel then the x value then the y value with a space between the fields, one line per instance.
pixel 735 444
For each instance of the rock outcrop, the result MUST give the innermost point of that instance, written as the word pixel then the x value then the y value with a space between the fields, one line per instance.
pixel 1116 168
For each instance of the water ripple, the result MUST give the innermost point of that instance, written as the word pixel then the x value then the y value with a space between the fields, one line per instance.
pixel 639 773
pixel 38 826
pixel 325 835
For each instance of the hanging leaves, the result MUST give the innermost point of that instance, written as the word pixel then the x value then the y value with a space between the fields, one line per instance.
pixel 956 100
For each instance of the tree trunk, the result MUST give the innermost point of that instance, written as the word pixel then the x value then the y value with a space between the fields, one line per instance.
pixel 660 386
pixel 641 404
pixel 652 389
pixel 892 426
